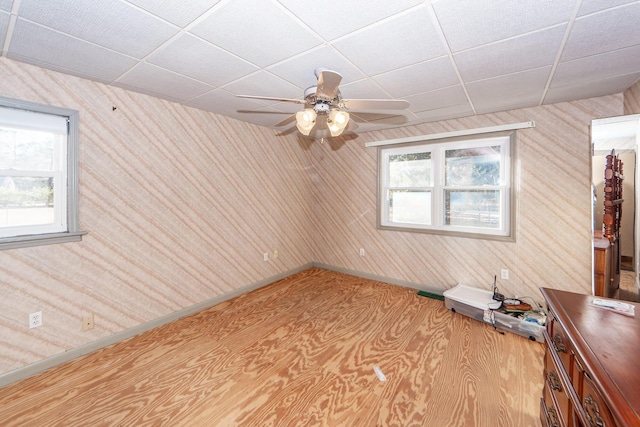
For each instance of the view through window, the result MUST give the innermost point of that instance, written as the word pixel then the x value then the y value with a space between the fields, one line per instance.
pixel 462 186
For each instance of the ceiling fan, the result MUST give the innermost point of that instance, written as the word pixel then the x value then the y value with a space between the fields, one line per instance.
pixel 325 111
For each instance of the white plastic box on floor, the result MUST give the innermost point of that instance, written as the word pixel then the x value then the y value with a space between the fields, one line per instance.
pixel 480 305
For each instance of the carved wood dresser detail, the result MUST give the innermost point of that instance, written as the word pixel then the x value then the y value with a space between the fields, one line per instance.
pixel 591 366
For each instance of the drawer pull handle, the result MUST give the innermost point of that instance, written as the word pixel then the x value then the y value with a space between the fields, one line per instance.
pixel 591 407
pixel 553 417
pixel 558 344
pixel 553 381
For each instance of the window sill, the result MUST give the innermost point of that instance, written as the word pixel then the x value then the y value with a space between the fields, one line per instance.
pixel 40 239
pixel 469 235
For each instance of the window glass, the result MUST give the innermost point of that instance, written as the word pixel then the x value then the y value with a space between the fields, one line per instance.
pixel 458 187
pixel 38 174
pixel 473 166
pixel 473 208
pixel 410 206
pixel 410 170
pixel 27 150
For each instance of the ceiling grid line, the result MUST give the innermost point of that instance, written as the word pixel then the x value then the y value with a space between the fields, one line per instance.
pixel 13 17
pixel 563 43
pixel 448 59
pixel 443 39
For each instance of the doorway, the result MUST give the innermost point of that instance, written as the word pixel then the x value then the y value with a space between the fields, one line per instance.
pixel 621 134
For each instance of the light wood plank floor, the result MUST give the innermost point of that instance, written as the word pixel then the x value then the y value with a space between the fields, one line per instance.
pixel 299 352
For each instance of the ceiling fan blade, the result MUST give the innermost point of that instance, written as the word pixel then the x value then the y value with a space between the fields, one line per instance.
pixel 376 104
pixel 269 98
pixel 286 121
pixel 261 112
pixel 328 82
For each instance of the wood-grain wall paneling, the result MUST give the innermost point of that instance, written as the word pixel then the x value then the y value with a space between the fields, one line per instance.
pixel 632 99
pixel 553 207
pixel 179 204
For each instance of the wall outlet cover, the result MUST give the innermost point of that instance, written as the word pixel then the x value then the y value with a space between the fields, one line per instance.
pixel 35 319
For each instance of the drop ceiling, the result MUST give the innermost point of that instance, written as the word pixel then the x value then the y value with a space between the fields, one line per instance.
pixel 448 58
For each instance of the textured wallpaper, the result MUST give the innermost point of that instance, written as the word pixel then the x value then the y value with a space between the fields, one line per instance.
pixel 632 99
pixel 181 204
pixel 553 207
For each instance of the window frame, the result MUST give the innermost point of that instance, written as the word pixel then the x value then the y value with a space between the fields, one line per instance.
pixel 73 232
pixel 437 148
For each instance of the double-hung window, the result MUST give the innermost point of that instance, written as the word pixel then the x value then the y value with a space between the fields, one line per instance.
pixel 458 187
pixel 38 174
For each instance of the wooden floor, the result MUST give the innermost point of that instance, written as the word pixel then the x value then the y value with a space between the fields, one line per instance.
pixel 628 290
pixel 299 352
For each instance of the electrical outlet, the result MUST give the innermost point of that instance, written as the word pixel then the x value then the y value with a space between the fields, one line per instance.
pixel 275 253
pixel 266 256
pixel 504 274
pixel 361 251
pixel 35 319
pixel 87 322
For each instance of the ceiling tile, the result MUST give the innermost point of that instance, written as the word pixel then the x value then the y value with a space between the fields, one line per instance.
pixel 503 51
pixel 532 50
pixel 471 23
pixel 591 6
pixel 147 78
pixel 517 90
pixel 404 40
pixel 178 13
pixel 4 24
pixel 587 89
pixel 422 77
pixel 353 14
pixel 258 31
pixel 597 67
pixel 201 60
pixel 112 24
pixel 300 69
pixel 608 30
pixel 49 49
pixel 436 99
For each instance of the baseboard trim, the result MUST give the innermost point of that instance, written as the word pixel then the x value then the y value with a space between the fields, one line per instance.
pixel 58 359
pixel 403 283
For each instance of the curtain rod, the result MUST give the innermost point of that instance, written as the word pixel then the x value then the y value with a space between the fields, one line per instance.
pixel 522 125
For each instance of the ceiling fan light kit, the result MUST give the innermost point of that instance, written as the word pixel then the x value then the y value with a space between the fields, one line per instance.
pixel 338 121
pixel 325 101
pixel 305 120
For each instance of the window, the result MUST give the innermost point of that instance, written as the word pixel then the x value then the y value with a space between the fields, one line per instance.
pixel 457 187
pixel 38 174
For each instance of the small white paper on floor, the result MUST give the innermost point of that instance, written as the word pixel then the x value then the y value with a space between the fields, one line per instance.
pixel 379 373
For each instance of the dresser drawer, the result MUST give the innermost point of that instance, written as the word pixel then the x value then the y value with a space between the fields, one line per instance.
pixel 561 344
pixel 555 387
pixel 595 409
pixel 548 412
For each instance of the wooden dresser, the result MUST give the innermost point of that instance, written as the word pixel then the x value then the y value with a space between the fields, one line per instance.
pixel 592 364
pixel 603 279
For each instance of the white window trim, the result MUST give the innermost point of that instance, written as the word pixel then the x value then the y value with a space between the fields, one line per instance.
pixel 437 148
pixel 73 232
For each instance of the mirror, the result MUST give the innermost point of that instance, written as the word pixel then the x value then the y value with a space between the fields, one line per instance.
pixel 621 134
